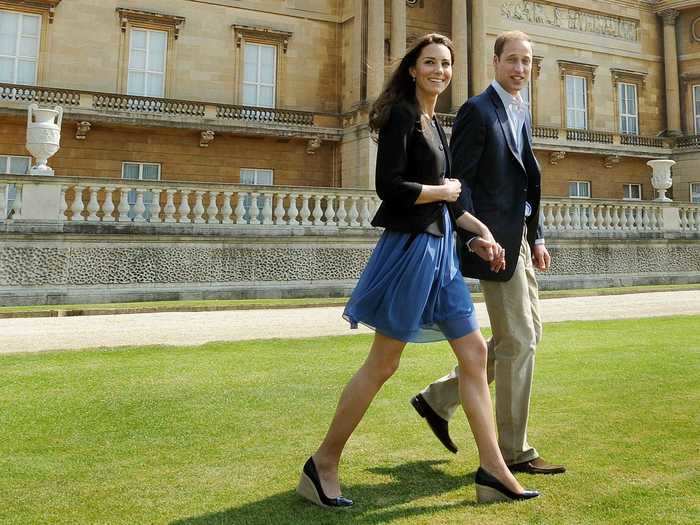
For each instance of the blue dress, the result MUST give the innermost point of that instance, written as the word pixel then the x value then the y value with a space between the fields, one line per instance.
pixel 412 289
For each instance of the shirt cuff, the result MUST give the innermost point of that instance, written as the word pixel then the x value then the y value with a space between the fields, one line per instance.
pixel 539 241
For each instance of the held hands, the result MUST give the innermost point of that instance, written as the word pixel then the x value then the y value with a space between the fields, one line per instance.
pixel 489 250
pixel 451 190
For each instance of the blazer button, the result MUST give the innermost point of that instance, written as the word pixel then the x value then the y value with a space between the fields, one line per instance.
pixel 440 146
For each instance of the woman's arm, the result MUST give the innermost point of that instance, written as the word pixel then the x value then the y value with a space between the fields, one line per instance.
pixel 447 192
pixel 484 245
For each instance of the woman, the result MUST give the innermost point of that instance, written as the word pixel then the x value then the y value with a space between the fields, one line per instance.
pixel 412 289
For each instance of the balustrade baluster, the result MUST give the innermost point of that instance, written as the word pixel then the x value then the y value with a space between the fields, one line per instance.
pixel 566 212
pixel 267 208
pixel 341 214
pixel 3 211
pixel 305 213
pixel 169 209
pixel 353 212
pixel 107 205
pixel 279 209
pixel 364 213
pixel 154 214
pixel 293 212
pixel 184 208
pixel 549 217
pixel 330 211
pixel 226 209
pixel 62 205
pixel 576 211
pixel 139 207
pixel 607 219
pixel 212 208
pixel 558 217
pixel 652 218
pixel 198 210
pixel 93 207
pixel 123 208
pixel 77 207
pixel 317 213
pixel 695 222
pixel 254 211
pixel 240 208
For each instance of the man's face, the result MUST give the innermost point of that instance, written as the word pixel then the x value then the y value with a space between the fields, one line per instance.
pixel 512 68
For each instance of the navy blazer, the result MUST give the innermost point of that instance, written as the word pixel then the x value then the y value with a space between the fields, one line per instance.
pixel 496 182
pixel 405 162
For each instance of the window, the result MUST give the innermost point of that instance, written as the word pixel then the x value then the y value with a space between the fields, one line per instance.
pixel 147 55
pixel 14 166
pixel 257 177
pixel 140 171
pixel 632 192
pixel 576 102
pixel 259 75
pixel 695 192
pixel 19 47
pixel 627 96
pixel 579 189
pixel 526 93
pixel 696 105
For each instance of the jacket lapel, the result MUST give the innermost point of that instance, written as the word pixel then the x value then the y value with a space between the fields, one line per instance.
pixel 505 124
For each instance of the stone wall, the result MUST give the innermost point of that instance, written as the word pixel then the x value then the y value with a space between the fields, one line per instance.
pixel 74 267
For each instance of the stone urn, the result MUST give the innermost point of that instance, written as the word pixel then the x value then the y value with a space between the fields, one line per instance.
pixel 43 136
pixel 661 177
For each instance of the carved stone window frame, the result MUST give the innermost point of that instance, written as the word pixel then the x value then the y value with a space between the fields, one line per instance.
pixel 626 76
pixel 46 9
pixel 534 87
pixel 695 29
pixel 243 35
pixel 578 69
pixel 688 82
pixel 136 19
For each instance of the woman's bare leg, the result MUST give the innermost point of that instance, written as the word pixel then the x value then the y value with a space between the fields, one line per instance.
pixel 471 352
pixel 380 365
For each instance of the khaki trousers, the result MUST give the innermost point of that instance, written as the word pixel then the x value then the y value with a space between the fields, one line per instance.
pixel 513 308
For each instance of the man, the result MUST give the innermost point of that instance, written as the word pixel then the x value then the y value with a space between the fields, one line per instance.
pixel 492 154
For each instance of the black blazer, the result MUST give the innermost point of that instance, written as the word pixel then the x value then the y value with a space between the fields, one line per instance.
pixel 405 162
pixel 496 182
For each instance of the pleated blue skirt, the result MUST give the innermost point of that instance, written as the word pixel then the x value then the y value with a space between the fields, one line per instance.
pixel 412 289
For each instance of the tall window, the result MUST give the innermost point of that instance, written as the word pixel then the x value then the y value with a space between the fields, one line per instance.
pixel 259 76
pixel 147 53
pixel 632 192
pixel 695 192
pixel 576 102
pixel 257 177
pixel 526 93
pixel 696 105
pixel 140 171
pixel 579 189
pixel 627 96
pixel 19 47
pixel 14 166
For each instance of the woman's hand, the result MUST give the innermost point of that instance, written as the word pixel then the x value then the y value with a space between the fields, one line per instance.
pixel 451 190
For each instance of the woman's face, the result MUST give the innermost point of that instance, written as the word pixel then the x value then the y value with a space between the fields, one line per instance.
pixel 433 69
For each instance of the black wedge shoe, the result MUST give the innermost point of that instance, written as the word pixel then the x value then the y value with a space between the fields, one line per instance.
pixel 490 490
pixel 310 488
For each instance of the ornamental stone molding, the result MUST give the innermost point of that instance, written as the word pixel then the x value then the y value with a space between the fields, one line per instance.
pixel 48 6
pixel 669 16
pixel 263 34
pixel 149 18
pixel 567 67
pixel 312 145
pixel 695 29
pixel 629 76
pixel 556 156
pixel 611 161
pixel 206 137
pixel 81 129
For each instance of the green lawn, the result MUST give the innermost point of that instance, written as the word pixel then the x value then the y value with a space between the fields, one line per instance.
pixel 218 433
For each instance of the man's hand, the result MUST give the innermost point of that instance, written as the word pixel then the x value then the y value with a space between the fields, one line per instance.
pixel 490 251
pixel 540 257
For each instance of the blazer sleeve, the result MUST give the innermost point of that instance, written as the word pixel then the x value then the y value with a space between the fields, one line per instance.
pixel 392 160
pixel 467 147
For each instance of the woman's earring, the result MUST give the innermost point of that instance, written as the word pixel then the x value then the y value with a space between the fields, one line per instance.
pixel 414 79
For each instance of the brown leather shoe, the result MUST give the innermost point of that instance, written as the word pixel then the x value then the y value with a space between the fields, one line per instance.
pixel 537 466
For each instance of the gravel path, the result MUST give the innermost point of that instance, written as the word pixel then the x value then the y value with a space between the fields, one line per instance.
pixel 193 328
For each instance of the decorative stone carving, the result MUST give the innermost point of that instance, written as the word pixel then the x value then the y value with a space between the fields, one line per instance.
pixel 611 160
pixel 415 3
pixel 556 156
pixel 43 136
pixel 695 29
pixel 312 145
pixel 136 16
pixel 49 6
pixel 577 68
pixel 669 16
pixel 573 19
pixel 628 76
pixel 206 137
pixel 81 129
pixel 264 33
pixel 661 177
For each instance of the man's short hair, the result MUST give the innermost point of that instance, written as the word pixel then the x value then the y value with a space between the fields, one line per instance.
pixel 506 37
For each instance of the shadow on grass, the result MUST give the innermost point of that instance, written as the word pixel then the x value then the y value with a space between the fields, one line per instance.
pixel 374 504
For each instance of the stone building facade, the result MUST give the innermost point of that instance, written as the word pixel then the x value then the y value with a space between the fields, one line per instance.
pixel 166 88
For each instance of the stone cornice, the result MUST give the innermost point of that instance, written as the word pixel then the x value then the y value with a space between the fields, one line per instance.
pixel 567 67
pixel 135 16
pixel 629 76
pixel 262 33
pixel 48 6
pixel 664 5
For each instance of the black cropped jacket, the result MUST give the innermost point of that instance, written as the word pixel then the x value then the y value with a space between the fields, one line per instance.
pixel 405 162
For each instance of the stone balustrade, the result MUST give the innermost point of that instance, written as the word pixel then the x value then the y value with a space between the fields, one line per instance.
pixel 70 200
pixel 689 141
pixel 93 201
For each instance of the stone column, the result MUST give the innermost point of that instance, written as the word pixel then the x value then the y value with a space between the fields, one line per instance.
pixel 481 55
pixel 398 31
pixel 460 69
pixel 375 48
pixel 673 101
